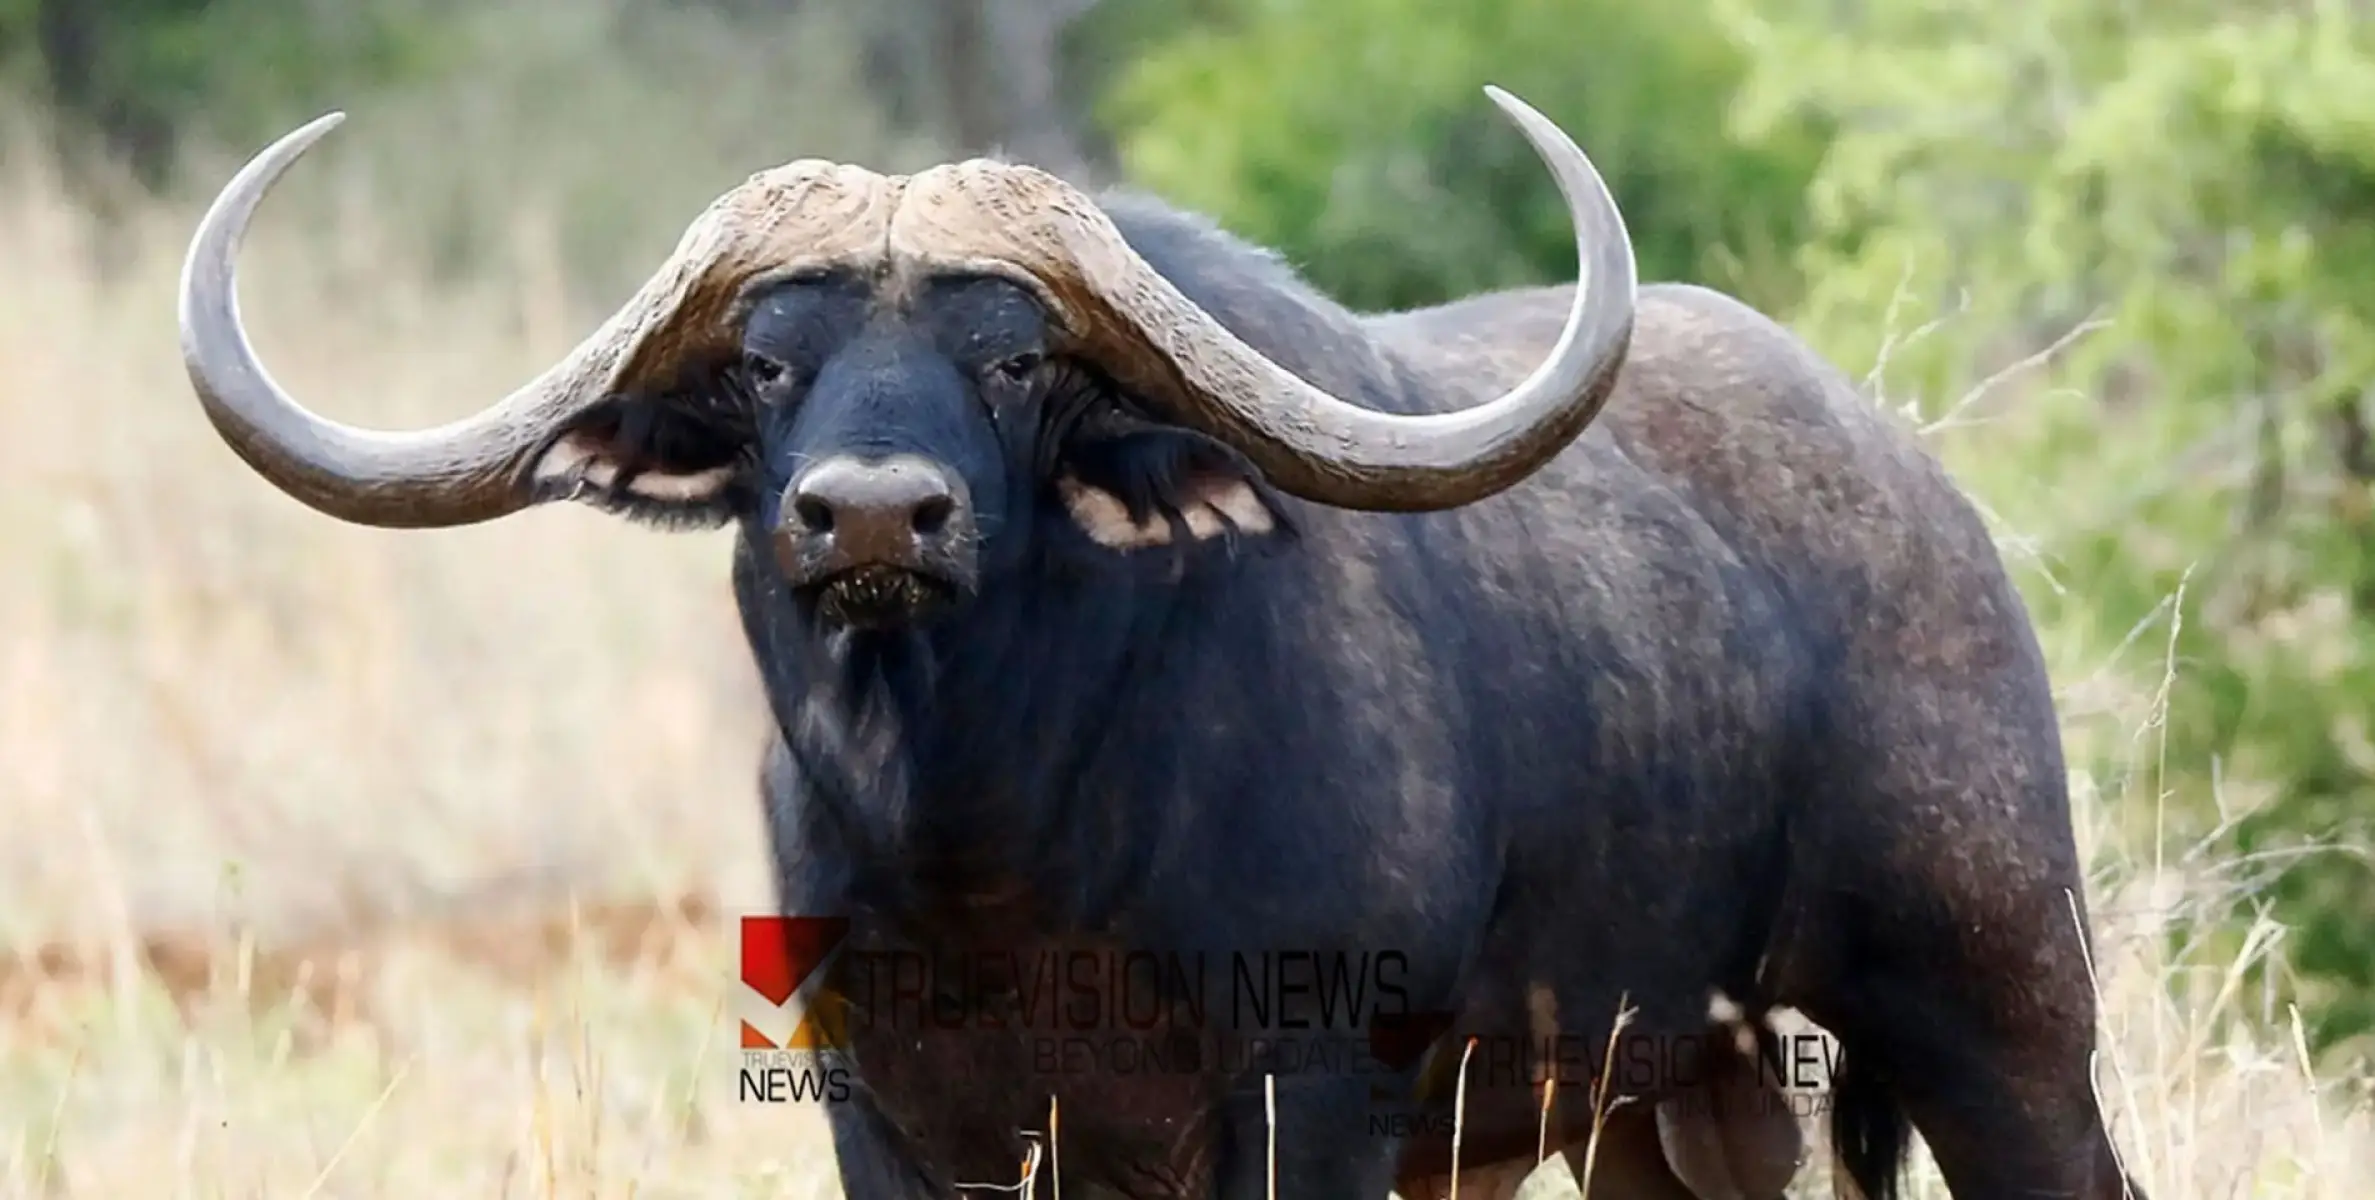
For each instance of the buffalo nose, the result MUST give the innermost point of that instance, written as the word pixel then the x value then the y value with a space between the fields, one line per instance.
pixel 892 511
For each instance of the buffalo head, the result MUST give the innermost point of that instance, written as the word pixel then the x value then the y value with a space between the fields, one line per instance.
pixel 899 381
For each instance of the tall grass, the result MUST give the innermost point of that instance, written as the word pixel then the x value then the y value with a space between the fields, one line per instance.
pixel 219 702
pixel 241 743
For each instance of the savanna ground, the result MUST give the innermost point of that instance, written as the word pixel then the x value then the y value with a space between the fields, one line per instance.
pixel 346 862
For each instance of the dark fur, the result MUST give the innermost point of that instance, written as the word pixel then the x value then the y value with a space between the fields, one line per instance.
pixel 1733 695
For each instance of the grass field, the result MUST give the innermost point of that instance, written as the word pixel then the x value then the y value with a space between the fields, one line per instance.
pixel 483 799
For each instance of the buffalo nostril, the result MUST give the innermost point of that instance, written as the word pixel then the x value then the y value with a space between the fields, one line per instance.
pixel 814 514
pixel 903 512
pixel 932 514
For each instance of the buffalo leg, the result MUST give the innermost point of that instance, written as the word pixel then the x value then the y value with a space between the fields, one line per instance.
pixel 1326 1150
pixel 1954 971
pixel 1627 1163
pixel 2007 1108
pixel 1496 1181
pixel 873 1158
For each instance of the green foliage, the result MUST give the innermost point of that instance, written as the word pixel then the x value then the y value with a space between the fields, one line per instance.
pixel 2195 176
pixel 143 73
pixel 1354 136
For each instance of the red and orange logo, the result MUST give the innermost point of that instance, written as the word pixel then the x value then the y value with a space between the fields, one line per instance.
pixel 783 958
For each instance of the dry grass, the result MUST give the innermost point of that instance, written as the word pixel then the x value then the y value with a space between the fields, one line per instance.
pixel 250 752
pixel 359 863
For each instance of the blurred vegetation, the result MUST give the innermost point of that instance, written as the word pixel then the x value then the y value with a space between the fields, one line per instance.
pixel 2112 255
pixel 139 75
pixel 1353 136
pixel 2183 186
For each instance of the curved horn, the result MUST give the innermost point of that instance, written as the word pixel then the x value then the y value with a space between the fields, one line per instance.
pixel 1309 442
pixel 495 462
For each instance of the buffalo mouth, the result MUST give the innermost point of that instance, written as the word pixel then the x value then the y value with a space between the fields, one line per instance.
pixel 881 596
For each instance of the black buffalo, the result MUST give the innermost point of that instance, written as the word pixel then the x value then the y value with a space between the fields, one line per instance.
pixel 1122 600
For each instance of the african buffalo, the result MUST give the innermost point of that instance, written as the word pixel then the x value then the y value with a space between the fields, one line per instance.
pixel 1115 592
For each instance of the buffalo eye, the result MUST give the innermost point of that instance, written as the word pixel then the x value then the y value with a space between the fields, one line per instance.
pixel 1018 368
pixel 761 369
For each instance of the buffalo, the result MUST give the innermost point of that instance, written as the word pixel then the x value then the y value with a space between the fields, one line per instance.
pixel 1585 662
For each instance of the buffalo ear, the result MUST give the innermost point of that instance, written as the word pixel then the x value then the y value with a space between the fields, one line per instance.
pixel 672 459
pixel 1146 485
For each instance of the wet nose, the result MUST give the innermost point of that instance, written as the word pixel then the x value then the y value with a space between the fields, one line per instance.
pixel 892 512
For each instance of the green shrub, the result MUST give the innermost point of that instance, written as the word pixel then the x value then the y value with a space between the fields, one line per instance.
pixel 2197 178
pixel 1354 135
